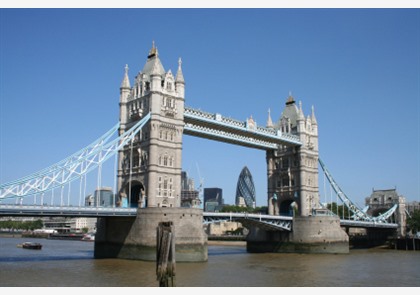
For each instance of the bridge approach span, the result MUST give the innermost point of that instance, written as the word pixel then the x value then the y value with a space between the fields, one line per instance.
pixel 267 222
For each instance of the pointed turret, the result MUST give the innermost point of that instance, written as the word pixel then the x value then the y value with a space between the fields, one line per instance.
pixel 269 121
pixel 290 99
pixel 125 90
pixel 300 115
pixel 179 80
pixel 313 119
pixel 153 51
pixel 126 81
pixel 314 125
pixel 153 64
pixel 154 69
pixel 179 76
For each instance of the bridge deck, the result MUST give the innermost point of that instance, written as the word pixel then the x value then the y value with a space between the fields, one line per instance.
pixel 273 222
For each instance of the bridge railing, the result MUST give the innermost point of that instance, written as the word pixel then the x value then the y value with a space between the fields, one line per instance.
pixel 69 211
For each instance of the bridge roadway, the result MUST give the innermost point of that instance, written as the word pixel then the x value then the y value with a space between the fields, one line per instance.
pixel 268 222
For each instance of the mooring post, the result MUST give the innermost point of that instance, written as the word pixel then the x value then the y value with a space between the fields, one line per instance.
pixel 165 254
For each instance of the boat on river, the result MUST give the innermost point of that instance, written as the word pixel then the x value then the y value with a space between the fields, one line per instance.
pixel 30 245
pixel 89 237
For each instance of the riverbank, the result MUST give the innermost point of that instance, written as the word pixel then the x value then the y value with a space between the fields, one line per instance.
pixel 226 243
pixel 10 235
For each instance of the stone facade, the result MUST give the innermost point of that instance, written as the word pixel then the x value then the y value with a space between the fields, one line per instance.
pixel 149 168
pixel 310 234
pixel 381 201
pixel 293 171
pixel 135 237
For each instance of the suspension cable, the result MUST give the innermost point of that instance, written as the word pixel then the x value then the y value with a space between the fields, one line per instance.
pixel 68 194
pixel 115 179
pixel 131 172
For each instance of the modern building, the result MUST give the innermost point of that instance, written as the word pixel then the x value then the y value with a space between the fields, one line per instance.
pixel 68 224
pixel 189 195
pixel 103 197
pixel 213 199
pixel 245 189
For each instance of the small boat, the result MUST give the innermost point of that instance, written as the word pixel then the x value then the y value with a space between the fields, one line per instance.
pixel 89 237
pixel 30 245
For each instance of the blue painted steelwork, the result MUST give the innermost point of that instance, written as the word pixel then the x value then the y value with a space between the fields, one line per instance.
pixel 215 126
pixel 358 214
pixel 197 123
pixel 97 144
pixel 72 167
pixel 67 211
pixel 269 222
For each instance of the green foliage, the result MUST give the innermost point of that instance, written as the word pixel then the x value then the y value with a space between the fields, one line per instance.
pixel 238 209
pixel 85 230
pixel 413 221
pixel 340 210
pixel 21 225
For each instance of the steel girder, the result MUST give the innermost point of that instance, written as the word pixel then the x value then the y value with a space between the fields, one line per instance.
pixel 73 167
pixel 217 127
pixel 268 222
pixel 358 214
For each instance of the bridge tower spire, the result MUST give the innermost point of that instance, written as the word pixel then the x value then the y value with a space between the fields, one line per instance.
pixel 125 90
pixel 149 172
pixel 293 171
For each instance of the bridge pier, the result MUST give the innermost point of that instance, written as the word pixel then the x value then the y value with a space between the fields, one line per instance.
pixel 135 237
pixel 310 234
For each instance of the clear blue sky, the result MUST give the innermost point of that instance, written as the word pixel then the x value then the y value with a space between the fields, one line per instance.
pixel 61 70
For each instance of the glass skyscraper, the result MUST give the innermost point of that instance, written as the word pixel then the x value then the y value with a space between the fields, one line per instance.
pixel 245 189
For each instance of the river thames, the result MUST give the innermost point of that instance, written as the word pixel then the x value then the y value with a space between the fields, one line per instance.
pixel 71 264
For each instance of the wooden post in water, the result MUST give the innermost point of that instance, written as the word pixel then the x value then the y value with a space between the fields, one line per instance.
pixel 165 254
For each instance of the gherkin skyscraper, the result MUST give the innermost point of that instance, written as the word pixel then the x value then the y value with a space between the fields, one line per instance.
pixel 245 190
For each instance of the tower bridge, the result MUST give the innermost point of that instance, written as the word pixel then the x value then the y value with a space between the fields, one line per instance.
pixel 148 163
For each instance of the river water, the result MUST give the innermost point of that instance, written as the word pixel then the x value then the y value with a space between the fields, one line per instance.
pixel 71 264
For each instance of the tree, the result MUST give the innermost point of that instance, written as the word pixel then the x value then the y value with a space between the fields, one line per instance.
pixel 239 209
pixel 413 222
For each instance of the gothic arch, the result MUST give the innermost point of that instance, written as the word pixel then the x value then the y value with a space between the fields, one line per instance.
pixel 135 193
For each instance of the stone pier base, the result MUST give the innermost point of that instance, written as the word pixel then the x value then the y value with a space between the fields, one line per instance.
pixel 135 237
pixel 310 234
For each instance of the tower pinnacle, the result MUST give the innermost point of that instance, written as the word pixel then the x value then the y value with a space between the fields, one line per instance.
pixel 290 99
pixel 153 51
pixel 125 82
pixel 313 119
pixel 179 76
pixel 269 121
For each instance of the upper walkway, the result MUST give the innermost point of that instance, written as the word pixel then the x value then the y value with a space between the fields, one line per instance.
pixel 245 133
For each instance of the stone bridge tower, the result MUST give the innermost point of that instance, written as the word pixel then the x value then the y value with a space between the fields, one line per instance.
pixel 293 171
pixel 149 168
